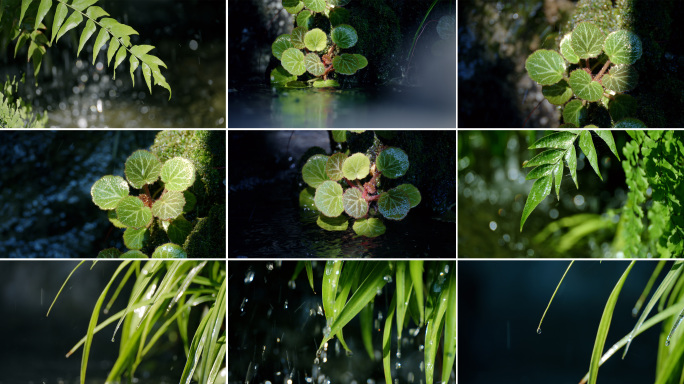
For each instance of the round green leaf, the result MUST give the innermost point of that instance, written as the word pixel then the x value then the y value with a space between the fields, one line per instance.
pixel 630 123
pixel 333 167
pixel 574 112
pixel 169 205
pixel 109 253
pixel 280 45
pixel 111 215
pixel 280 76
pixel 356 166
pixel 296 8
pixel 109 191
pixel 566 49
pixel 313 172
pixel 313 64
pixel 344 36
pixel 622 106
pixel 621 78
pixel 132 212
pixel 340 223
pixel 361 61
pixel 354 203
pixel 293 61
pixel 584 87
pixel 412 192
pixel 346 64
pixel 133 254
pixel 545 67
pixel 315 40
pixel 325 83
pixel 557 94
pixel 623 47
pixel 179 229
pixel 306 199
pixel 339 16
pixel 169 251
pixel 134 238
pixel 328 199
pixel 392 162
pixel 371 227
pixel 142 167
pixel 178 174
pixel 587 40
pixel 304 19
pixel 297 37
pixel 394 204
pixel 315 5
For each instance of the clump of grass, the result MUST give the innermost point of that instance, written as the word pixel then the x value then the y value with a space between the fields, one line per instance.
pixel 164 296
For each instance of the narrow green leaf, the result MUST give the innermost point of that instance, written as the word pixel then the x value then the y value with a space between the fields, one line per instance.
pixel 141 50
pixel 37 57
pixel 80 5
pixel 604 325
pixel 113 47
pixel 147 74
pixel 435 324
pixel 449 354
pixel 151 59
pixel 387 341
pixel 416 271
pixel 117 29
pixel 74 19
pixel 24 6
pixel 159 79
pixel 43 10
pixel 309 273
pixel 403 294
pixel 23 38
pixel 100 41
pixel 540 171
pixel 60 15
pixel 550 156
pixel 557 140
pixel 88 31
pixel 120 57
pixel 366 320
pixel 607 136
pixel 558 175
pixel 540 189
pixel 587 146
pixel 134 65
pixel 329 290
pixel 571 161
pixel 96 12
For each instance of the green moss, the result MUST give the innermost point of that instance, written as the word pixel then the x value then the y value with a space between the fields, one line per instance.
pixel 207 239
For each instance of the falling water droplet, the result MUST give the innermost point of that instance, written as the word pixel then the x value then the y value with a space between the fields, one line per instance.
pixel 397 365
pixel 269 266
pixel 539 331
pixel 249 277
pixel 286 303
pixel 291 284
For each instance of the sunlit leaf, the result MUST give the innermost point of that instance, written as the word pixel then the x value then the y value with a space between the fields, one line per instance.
pixel 328 199
pixel 43 10
pixel 293 61
pixel 178 174
pixel 545 67
pixel 315 40
pixel 333 166
pixel 142 167
pixel 132 212
pixel 584 87
pixel 566 49
pixel 304 19
pixel 551 156
pixel 109 191
pixel 621 78
pixel 356 166
pixel 169 205
pixel 313 172
pixel 297 37
pixel 607 136
pixel 315 5
pixel 280 76
pixel 392 162
pixel 623 47
pixel 370 227
pixel 540 189
pixel 354 203
pixel 313 64
pixel 587 40
pixel 540 171
pixel 571 161
pixel 60 14
pixel 587 146
pixel 169 251
pixel 100 41
pixel 557 140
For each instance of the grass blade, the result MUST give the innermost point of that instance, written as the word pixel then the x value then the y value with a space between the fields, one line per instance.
pixel 416 271
pixel 63 285
pixel 404 288
pixel 435 323
pixel 387 341
pixel 449 331
pixel 554 295
pixel 604 326
pixel 366 320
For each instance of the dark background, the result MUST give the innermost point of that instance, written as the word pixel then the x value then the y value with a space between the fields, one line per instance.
pixel 500 304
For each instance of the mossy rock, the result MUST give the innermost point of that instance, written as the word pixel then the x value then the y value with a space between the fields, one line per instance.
pixel 207 239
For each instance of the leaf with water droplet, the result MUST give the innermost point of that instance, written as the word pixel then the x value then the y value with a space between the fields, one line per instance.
pixel 169 251
pixel 314 171
pixel 540 189
pixel 623 47
pixel 394 204
pixel 178 174
pixel 109 191
pixel 392 162
pixel 557 140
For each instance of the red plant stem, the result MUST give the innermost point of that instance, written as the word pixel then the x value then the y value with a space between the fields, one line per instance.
pixel 350 184
pixel 603 70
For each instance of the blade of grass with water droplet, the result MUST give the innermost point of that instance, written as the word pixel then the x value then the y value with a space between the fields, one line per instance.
pixel 387 341
pixel 416 271
pixel 213 333
pixel 604 326
pixel 403 292
pixel 666 284
pixel 449 331
pixel 433 330
pixel 366 291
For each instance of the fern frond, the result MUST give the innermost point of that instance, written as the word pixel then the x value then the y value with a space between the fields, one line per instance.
pixel 69 16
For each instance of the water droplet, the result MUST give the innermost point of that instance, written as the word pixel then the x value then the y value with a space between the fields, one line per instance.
pixel 349 353
pixel 249 277
pixel 397 365
pixel 388 278
pixel 539 331
pixel 269 266
pixel 286 303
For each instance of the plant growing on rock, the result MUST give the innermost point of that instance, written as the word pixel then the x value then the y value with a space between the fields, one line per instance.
pixel 315 45
pixel 137 213
pixel 336 186
pixel 573 72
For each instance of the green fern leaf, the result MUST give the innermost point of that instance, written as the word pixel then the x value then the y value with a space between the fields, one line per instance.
pixel 100 41
pixel 80 5
pixel 117 29
pixel 147 74
pixel 587 147
pixel 43 10
pixel 140 50
pixel 74 19
pixel 540 189
pixel 134 65
pixel 24 6
pixel 88 31
pixel 60 15
pixel 153 60
pixel 120 56
pixel 113 47
pixel 96 12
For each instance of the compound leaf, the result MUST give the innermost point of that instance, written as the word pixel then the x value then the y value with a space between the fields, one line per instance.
pixel 314 171
pixel 344 36
pixel 584 87
pixel 545 67
pixel 74 19
pixel 540 189
pixel 356 166
pixel 587 146
pixel 370 227
pixel 169 251
pixel 333 166
pixel 80 5
pixel 392 162
pixel 354 203
pixel 132 212
pixel 178 174
pixel 315 40
pixel 587 40
pixel 293 61
pixel 394 204
pixel 169 205
pixel 328 199
pixel 142 167
pixel 109 191
pixel 88 31
pixel 623 47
